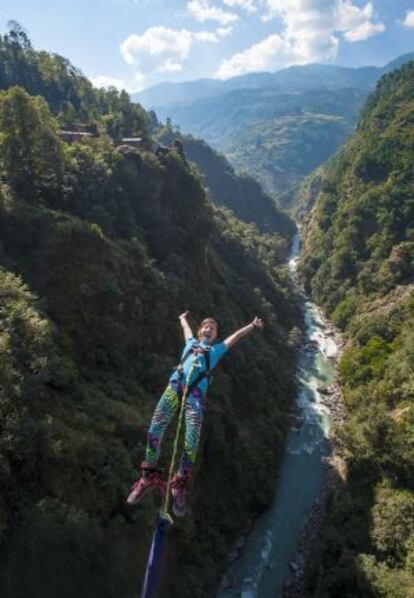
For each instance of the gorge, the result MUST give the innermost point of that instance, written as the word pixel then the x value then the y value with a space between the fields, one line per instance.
pixel 102 245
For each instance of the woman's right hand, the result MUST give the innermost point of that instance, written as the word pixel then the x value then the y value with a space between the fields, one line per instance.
pixel 184 315
pixel 257 322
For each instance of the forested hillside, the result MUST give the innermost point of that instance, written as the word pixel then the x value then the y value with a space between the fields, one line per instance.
pixel 77 105
pixel 277 136
pixel 100 250
pixel 278 126
pixel 358 264
pixel 238 191
pixel 70 96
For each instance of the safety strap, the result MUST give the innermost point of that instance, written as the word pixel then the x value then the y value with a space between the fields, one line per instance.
pixel 164 511
pixel 206 374
pixel 187 355
pixel 202 375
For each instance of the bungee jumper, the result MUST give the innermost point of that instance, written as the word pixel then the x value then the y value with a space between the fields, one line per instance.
pixel 186 392
pixel 200 356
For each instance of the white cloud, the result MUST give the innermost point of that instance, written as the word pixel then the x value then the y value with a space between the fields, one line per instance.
pixel 163 50
pixel 206 36
pixel 202 11
pixel 274 52
pixel 354 22
pixel 311 31
pixel 171 67
pixel 105 81
pixel 247 5
pixel 308 18
pixel 259 57
pixel 155 47
pixel 364 31
pixel 409 19
pixel 224 31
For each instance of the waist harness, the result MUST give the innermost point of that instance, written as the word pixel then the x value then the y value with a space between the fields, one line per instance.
pixel 196 349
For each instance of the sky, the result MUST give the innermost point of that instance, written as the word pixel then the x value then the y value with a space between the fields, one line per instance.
pixel 134 44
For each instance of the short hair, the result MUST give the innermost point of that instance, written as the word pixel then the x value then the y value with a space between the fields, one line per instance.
pixel 207 321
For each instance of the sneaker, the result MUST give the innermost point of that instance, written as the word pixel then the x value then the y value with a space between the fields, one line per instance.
pixel 142 486
pixel 181 494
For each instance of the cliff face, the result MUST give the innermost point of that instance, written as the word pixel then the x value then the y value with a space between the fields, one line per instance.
pixel 100 251
pixel 279 126
pixel 239 192
pixel 361 226
pixel 358 262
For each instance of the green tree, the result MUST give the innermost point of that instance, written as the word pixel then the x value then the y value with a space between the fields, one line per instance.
pixel 393 523
pixel 31 152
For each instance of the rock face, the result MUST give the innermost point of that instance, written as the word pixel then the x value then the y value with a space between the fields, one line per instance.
pixel 240 193
pixel 100 251
pixel 333 466
pixel 334 470
pixel 357 263
pixel 225 583
pixel 309 533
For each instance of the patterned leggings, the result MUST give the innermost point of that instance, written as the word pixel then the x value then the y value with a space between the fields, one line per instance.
pixel 163 414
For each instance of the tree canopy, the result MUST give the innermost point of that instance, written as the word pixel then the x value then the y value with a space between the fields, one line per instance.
pixel 358 263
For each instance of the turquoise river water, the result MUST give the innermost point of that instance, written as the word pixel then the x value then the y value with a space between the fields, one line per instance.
pixel 263 566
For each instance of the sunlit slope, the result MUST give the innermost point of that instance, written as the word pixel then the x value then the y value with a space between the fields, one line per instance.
pixel 101 249
pixel 276 126
pixel 358 262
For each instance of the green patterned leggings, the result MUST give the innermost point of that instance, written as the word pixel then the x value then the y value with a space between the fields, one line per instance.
pixel 163 414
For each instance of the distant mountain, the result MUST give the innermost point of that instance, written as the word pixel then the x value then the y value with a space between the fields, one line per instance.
pixel 397 62
pixel 278 126
pixel 241 193
pixel 299 78
pixel 276 137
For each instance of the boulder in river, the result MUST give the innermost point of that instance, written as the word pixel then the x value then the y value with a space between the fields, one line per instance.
pixel 311 345
pixel 240 542
pixel 324 390
pixel 225 583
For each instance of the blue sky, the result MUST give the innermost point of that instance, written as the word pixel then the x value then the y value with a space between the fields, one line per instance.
pixel 136 43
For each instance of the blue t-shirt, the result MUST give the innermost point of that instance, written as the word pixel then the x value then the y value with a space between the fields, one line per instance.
pixel 216 352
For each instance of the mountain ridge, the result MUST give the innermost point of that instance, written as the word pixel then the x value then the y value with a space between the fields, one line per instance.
pixel 364 75
pixel 357 213
pixel 280 130
pixel 102 247
pixel 240 193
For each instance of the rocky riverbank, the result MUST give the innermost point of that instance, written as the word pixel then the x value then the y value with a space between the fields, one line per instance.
pixel 260 555
pixel 330 344
pixel 334 471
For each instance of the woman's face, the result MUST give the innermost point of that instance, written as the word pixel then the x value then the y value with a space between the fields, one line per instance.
pixel 208 333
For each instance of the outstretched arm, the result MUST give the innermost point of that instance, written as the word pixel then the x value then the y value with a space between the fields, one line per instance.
pixel 188 333
pixel 239 334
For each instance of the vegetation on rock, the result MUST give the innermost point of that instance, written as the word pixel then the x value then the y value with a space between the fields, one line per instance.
pixel 276 136
pixel 278 126
pixel 239 192
pixel 359 265
pixel 100 250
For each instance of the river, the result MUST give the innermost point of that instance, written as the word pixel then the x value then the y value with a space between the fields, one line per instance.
pixel 265 563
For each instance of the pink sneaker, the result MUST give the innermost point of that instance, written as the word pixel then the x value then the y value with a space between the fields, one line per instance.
pixel 144 485
pixel 179 490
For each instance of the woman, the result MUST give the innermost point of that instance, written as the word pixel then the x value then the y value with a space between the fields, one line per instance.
pixel 199 357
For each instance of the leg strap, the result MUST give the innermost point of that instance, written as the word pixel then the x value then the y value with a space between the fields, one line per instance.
pixel 150 468
pixel 180 481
